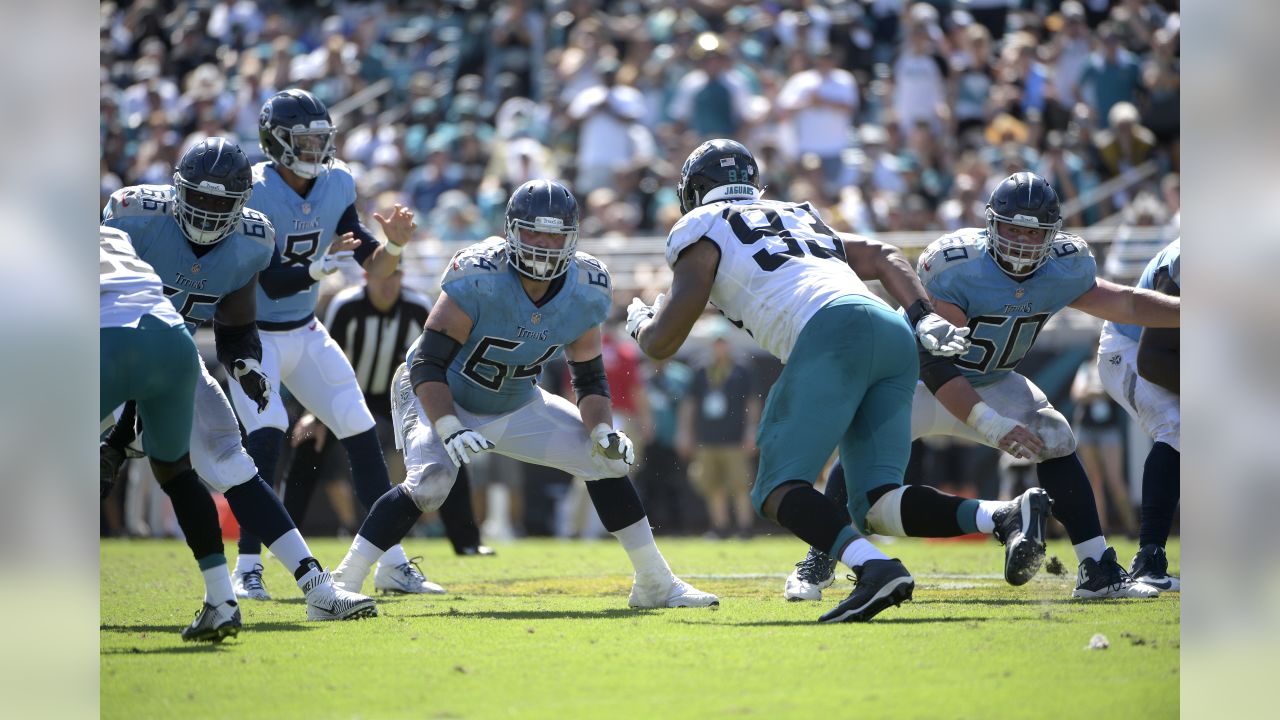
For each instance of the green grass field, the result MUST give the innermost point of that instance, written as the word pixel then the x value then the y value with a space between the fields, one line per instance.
pixel 543 630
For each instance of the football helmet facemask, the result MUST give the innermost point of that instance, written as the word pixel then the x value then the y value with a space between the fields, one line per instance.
pixel 542 206
pixel 718 170
pixel 296 132
pixel 1023 200
pixel 212 183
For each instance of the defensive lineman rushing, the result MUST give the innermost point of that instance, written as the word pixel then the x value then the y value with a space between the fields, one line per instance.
pixel 506 308
pixel 1004 282
pixel 1139 369
pixel 208 249
pixel 775 269
pixel 148 356
pixel 309 196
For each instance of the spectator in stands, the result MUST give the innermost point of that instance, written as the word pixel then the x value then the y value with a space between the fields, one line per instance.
pixel 712 100
pixel 1112 75
pixel 1126 143
pixel 661 480
pixel 820 103
pixel 609 131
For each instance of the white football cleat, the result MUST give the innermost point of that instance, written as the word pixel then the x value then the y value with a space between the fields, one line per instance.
pixel 404 578
pixel 248 585
pixel 671 594
pixel 214 622
pixel 812 575
pixel 325 601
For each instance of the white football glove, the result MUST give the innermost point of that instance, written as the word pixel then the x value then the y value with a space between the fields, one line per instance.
pixel 940 337
pixel 254 382
pixel 330 264
pixel 612 444
pixel 639 314
pixel 460 442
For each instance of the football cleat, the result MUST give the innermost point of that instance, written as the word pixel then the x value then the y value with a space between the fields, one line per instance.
pixel 248 585
pixel 214 622
pixel 1020 527
pixel 404 578
pixel 877 585
pixel 109 461
pixel 812 575
pixel 475 550
pixel 1104 578
pixel 1151 567
pixel 672 594
pixel 328 602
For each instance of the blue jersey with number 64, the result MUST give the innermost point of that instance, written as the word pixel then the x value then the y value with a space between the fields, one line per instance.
pixel 511 338
pixel 193 283
pixel 1005 315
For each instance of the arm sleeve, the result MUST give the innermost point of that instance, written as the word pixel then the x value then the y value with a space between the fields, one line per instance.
pixel 280 280
pixel 350 223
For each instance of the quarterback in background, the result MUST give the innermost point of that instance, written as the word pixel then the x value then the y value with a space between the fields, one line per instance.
pixel 508 306
pixel 310 198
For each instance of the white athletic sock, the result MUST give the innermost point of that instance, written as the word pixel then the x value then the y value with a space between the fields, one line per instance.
pixel 637 540
pixel 860 551
pixel 394 557
pixel 1091 549
pixel 987 508
pixel 217 585
pixel 354 568
pixel 290 549
pixel 245 563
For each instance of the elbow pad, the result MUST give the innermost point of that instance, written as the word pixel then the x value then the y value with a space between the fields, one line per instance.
pixel 589 378
pixel 936 371
pixel 236 342
pixel 436 351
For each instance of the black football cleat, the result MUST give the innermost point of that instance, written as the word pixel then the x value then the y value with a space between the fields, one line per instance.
pixel 879 584
pixel 1020 526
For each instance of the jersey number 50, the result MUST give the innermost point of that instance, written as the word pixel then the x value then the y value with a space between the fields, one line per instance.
pixel 990 333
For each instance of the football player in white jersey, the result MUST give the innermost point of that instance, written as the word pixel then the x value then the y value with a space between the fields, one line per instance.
pixel 776 270
pixel 1004 282
pixel 310 196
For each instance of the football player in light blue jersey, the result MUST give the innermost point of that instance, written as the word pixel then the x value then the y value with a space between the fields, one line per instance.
pixel 1139 369
pixel 1004 282
pixel 508 306
pixel 208 249
pixel 310 198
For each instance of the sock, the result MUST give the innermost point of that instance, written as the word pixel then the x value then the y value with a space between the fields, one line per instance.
pixel 838 491
pixel 307 572
pixel 196 514
pixel 810 516
pixel 637 540
pixel 919 511
pixel 359 559
pixel 301 481
pixel 458 516
pixel 245 563
pixel 859 551
pixel 1091 549
pixel 984 513
pixel 263 445
pixel 1073 504
pixel 217 583
pixel 394 556
pixel 616 502
pixel 292 551
pixel 368 466
pixel 259 510
pixel 1161 488
pixel 390 519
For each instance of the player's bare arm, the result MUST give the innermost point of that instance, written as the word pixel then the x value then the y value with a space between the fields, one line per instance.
pixel 693 275
pixel 961 400
pixel 398 226
pixel 1130 305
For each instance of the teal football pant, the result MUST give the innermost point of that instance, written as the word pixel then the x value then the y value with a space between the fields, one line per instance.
pixel 156 365
pixel 848 383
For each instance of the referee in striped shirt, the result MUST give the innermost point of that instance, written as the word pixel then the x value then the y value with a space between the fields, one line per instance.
pixel 375 324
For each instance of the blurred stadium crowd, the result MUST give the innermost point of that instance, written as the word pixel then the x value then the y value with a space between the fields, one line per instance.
pixel 890 116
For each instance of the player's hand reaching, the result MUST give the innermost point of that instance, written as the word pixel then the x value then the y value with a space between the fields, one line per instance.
pixel 341 253
pixel 612 444
pixel 639 314
pixel 253 381
pixel 460 442
pixel 942 338
pixel 1005 433
pixel 398 226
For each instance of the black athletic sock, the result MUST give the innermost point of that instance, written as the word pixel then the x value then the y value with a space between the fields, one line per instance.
pixel 1161 489
pixel 301 481
pixel 259 511
pixel 815 519
pixel 1073 504
pixel 390 519
pixel 458 516
pixel 616 502
pixel 263 445
pixel 368 466
pixel 196 514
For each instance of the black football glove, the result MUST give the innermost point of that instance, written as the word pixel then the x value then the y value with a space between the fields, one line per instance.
pixel 254 382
